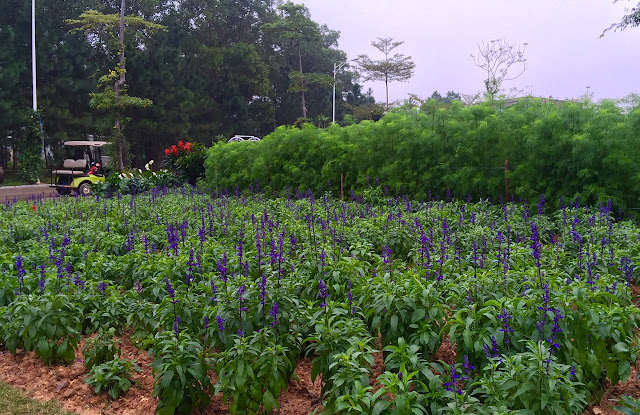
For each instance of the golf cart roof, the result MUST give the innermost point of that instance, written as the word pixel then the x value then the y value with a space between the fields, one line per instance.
pixel 86 143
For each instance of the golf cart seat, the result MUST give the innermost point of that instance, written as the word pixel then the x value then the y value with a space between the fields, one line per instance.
pixel 76 167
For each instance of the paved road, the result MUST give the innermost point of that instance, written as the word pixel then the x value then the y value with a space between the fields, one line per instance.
pixel 37 191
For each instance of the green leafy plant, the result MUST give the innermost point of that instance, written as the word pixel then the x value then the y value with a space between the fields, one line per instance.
pixel 100 349
pixel 188 159
pixel 333 335
pixel 180 382
pixel 113 376
pixel 532 381
pixel 48 324
pixel 628 405
pixel 350 376
pixel 30 150
pixel 399 394
pixel 253 373
pixel 135 181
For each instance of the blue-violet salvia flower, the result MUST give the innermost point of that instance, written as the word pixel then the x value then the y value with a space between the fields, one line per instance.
pixel 220 322
pixel 274 313
pixel 176 325
pixel 323 292
pixel 171 291
pixel 506 328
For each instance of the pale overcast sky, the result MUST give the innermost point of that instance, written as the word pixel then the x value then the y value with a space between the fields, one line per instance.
pixel 564 52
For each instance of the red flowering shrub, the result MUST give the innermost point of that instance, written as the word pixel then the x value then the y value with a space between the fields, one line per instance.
pixel 175 152
pixel 187 159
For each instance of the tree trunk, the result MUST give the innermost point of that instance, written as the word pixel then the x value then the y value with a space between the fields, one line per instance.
pixel 14 152
pixel 386 85
pixel 3 151
pixel 304 107
pixel 116 90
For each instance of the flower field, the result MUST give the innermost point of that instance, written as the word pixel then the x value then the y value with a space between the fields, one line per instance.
pixel 228 292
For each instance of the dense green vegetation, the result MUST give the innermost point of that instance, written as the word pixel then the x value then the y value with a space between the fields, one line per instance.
pixel 568 150
pixel 537 305
pixel 214 71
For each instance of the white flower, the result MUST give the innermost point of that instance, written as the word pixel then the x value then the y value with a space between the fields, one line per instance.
pixel 150 162
pixel 139 171
pixel 146 167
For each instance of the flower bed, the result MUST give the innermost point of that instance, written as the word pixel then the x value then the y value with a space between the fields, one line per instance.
pixel 537 307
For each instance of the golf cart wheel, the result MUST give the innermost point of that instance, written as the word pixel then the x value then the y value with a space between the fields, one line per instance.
pixel 84 189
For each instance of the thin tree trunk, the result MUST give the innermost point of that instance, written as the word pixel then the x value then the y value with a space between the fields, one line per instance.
pixel 3 151
pixel 14 157
pixel 116 90
pixel 304 106
pixel 15 153
pixel 386 85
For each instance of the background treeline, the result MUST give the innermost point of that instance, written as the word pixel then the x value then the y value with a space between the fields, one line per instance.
pixel 569 150
pixel 215 72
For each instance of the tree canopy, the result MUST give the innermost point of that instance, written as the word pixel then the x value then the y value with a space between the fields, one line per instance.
pixel 390 69
pixel 501 61
pixel 215 72
pixel 101 29
pixel 631 19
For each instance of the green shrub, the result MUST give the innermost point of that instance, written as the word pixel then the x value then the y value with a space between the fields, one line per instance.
pixel 187 159
pixel 114 376
pixel 48 324
pixel 100 349
pixel 30 151
pixel 570 150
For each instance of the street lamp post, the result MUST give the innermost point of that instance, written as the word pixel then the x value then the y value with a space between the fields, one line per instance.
pixel 33 53
pixel 33 75
pixel 336 68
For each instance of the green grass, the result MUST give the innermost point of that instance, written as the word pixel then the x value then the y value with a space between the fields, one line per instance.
pixel 12 178
pixel 15 402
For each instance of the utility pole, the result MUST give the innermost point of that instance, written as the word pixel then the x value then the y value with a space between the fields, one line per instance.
pixel 336 68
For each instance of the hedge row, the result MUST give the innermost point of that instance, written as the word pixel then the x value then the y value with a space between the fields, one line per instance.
pixel 570 150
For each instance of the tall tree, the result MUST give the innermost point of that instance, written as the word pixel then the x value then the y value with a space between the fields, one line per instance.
pixel 632 19
pixel 114 98
pixel 392 68
pixel 501 61
pixel 213 72
pixel 64 71
pixel 296 27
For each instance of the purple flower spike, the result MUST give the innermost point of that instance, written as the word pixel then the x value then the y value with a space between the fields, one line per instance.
pixel 171 291
pixel 176 326
pixel 274 313
pixel 324 293
pixel 506 328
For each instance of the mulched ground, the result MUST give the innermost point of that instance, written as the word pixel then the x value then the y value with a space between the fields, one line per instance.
pixel 66 385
